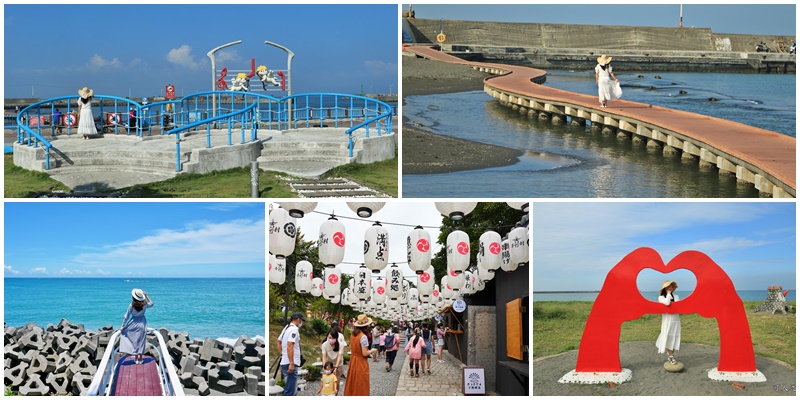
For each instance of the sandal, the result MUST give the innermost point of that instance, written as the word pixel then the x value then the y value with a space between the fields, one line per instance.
pixel 672 360
pixel 417 375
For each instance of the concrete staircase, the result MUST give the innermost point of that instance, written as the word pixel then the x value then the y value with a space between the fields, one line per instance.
pixel 307 159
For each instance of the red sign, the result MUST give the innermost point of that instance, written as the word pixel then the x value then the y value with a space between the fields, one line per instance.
pixel 338 239
pixel 170 90
pixel 425 277
pixel 435 293
pixel 494 248
pixel 423 245
pixel 463 248
pixel 332 278
pixel 380 290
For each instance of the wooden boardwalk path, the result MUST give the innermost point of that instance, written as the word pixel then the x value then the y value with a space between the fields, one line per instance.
pixel 765 158
pixel 137 379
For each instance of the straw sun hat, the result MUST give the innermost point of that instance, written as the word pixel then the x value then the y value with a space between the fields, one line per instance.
pixel 363 320
pixel 85 93
pixel 604 59
pixel 667 283
pixel 138 294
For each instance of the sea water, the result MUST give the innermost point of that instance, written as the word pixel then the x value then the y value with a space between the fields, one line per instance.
pixel 583 163
pixel 745 295
pixel 215 308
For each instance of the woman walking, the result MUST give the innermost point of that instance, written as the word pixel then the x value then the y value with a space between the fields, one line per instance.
pixel 427 335
pixel 392 344
pixel 332 351
pixel 134 330
pixel 670 337
pixel 382 344
pixel 440 331
pixel 357 383
pixel 602 76
pixel 414 349
pixel 86 119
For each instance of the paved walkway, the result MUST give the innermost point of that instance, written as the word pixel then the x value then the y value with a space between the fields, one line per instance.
pixel 444 380
pixel 769 151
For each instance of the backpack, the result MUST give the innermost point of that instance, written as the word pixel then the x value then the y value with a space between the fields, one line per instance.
pixel 389 341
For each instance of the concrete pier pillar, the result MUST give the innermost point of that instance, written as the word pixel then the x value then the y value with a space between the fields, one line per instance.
pixel 653 144
pixel 577 121
pixel 595 126
pixel 543 116
pixel 514 107
pixel 522 110
pixel 706 165
pixel 608 130
pixel 670 151
pixel 688 156
pixel 637 139
pixel 624 135
pixel 558 119
pixel 531 113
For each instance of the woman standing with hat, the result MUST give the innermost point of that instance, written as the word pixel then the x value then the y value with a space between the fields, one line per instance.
pixel 670 337
pixel 86 119
pixel 134 330
pixel 602 76
pixel 357 383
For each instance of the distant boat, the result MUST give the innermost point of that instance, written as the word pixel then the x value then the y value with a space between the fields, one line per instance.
pixel 127 280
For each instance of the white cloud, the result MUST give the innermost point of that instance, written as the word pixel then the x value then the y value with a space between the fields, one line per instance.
pixel 231 55
pixel 97 62
pixel 64 271
pixel 39 270
pixel 379 67
pixel 10 270
pixel 183 56
pixel 237 241
pixel 101 272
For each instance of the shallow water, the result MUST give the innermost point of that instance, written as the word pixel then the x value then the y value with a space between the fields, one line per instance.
pixel 589 164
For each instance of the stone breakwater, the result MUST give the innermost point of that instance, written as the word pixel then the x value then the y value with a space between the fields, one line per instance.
pixel 62 359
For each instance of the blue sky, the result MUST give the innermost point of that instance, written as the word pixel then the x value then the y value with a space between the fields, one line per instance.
pixel 576 244
pixel 114 239
pixel 138 49
pixel 765 19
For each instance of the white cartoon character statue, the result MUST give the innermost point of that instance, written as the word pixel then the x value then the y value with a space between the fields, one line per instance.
pixel 240 83
pixel 267 76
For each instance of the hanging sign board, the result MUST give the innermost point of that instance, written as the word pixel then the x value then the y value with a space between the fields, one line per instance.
pixel 473 380
pixel 459 306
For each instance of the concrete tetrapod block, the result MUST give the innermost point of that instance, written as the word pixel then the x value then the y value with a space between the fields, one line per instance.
pixel 13 352
pixel 64 343
pixel 226 380
pixel 16 376
pixel 186 380
pixel 9 332
pixel 63 362
pixel 59 383
pixel 40 364
pixel 202 386
pixel 34 386
pixel 81 383
pixel 188 364
pixel 82 364
pixel 86 344
pixel 32 340
pixel 252 378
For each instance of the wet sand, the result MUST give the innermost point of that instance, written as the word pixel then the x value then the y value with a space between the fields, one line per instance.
pixel 650 378
pixel 428 153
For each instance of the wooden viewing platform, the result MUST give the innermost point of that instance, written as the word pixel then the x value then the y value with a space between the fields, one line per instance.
pixel 137 379
pixel 763 158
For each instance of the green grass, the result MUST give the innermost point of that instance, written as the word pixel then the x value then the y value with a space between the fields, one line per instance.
pixel 20 182
pixel 558 326
pixel 381 175
pixel 232 183
pixel 310 343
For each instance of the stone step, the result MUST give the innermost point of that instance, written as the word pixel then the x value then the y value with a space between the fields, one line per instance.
pixel 138 154
pixel 80 169
pixel 304 152
pixel 340 193
pixel 317 181
pixel 300 168
pixel 325 145
pixel 323 186
pixel 155 164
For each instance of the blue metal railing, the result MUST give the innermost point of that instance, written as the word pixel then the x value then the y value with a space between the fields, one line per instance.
pixel 221 108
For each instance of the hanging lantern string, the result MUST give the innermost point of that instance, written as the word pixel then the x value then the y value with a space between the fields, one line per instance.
pixel 372 221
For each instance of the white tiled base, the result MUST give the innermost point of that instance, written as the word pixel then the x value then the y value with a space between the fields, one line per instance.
pixel 592 378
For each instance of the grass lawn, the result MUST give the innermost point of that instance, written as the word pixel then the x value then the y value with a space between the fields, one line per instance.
pixel 310 343
pixel 558 326
pixel 232 183
pixel 381 175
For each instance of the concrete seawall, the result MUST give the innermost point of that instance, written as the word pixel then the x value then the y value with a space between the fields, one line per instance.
pixel 635 47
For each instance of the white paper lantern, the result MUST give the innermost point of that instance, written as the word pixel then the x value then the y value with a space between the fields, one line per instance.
pixel 518 244
pixel 376 248
pixel 523 206
pixel 379 290
pixel 298 209
pixel 489 251
pixel 303 276
pixel 425 282
pixel 363 279
pixel 335 300
pixel 277 270
pixel 505 257
pixel 413 297
pixel 365 209
pixel 469 286
pixel 282 232
pixel 331 242
pixel 418 250
pixel 480 284
pixel 394 282
pixel 345 298
pixel 332 282
pixel 392 304
pixel 484 274
pixel 404 294
pixel 447 290
pixel 455 211
pixel 457 251
pixel 316 287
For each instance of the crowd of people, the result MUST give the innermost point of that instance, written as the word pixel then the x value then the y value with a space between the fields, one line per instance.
pixel 368 341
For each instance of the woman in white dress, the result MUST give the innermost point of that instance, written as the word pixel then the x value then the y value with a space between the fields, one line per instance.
pixel 670 337
pixel 86 119
pixel 603 73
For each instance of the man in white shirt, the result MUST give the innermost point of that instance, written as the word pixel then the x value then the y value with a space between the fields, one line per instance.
pixel 289 343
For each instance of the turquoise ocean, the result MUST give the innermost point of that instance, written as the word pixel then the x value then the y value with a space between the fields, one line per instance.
pixel 216 308
pixel 745 295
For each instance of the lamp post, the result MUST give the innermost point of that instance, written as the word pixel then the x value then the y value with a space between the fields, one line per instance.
pixel 212 55
pixel 290 55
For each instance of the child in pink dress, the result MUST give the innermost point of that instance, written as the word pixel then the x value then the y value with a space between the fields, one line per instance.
pixel 414 351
